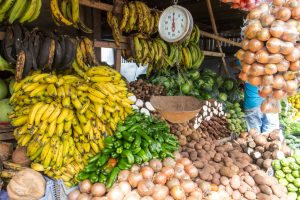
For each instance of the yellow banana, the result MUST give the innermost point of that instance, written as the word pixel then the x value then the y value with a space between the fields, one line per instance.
pixel 66 102
pixel 51 90
pixel 85 107
pixel 61 92
pixel 40 113
pixel 45 151
pixel 33 112
pixel 37 167
pixel 19 121
pixel 63 115
pixel 38 89
pixel 57 14
pixel 59 129
pixel 51 129
pixel 55 114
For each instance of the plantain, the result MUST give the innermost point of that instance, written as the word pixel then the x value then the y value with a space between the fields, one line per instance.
pixel 92 59
pixel 7 46
pixel 18 37
pixel 70 51
pixel 29 11
pixel 75 11
pixel 125 17
pixel 57 14
pixel 83 27
pixel 37 11
pixel 28 63
pixel 4 7
pixel 140 15
pixel 48 65
pixel 132 16
pixel 58 56
pixel 44 52
pixel 17 10
pixel 20 65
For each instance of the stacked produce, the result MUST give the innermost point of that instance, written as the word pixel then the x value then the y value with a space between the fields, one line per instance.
pixel 269 54
pixel 158 180
pixel 20 10
pixel 208 82
pixel 4 101
pixel 225 171
pixel 139 139
pixel 246 5
pixel 63 119
pixel 287 171
pixel 295 103
pixel 137 16
pixel 37 50
pixel 162 55
pixel 67 13
pixel 235 118
pixel 264 148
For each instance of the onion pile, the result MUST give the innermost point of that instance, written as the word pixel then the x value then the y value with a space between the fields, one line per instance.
pixel 269 54
pixel 156 180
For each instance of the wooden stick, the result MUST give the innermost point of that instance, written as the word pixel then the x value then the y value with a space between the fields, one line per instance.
pixel 213 36
pixel 98 5
pixel 214 26
pixel 118 60
pixel 215 54
pixel 106 44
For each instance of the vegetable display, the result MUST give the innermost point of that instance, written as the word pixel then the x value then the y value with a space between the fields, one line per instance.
pixel 287 171
pixel 63 119
pixel 235 118
pixel 295 105
pixel 21 11
pixel 139 139
pixel 244 4
pixel 157 180
pixel 204 86
pixel 269 54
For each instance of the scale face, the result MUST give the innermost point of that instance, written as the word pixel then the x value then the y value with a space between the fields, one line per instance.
pixel 174 23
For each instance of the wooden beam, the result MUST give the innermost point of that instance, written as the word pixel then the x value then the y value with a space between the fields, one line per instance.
pixel 118 59
pixel 214 54
pixel 106 44
pixel 99 5
pixel 221 39
pixel 214 26
pixel 97 31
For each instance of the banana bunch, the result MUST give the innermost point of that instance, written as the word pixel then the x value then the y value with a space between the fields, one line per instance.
pixel 137 17
pixel 63 119
pixel 20 10
pixel 46 51
pixel 66 13
pixel 161 55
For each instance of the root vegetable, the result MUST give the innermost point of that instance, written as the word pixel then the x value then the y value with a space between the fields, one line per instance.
pixel 168 171
pixel 235 182
pixel 177 193
pixel 134 178
pixel 160 178
pixel 85 186
pixel 147 172
pixel 173 182
pixel 156 165
pixel 147 198
pixel 188 186
pixel 249 180
pixel 123 175
pixel 250 195
pixel 197 193
pixel 84 196
pixel 236 195
pixel 169 162
pixel 135 168
pixel 191 170
pixel 98 189
pixel 145 188
pixel 74 195
pixel 125 187
pixel 160 192
pixel 265 189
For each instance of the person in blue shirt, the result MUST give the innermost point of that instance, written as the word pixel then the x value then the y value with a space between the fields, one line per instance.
pixel 255 119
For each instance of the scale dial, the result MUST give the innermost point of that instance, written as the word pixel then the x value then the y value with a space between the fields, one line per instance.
pixel 174 23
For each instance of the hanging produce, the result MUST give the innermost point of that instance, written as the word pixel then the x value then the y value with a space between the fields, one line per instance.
pixel 36 50
pixel 269 54
pixel 246 5
pixel 137 17
pixel 139 139
pixel 167 179
pixel 20 10
pixel 63 119
pixel 235 118
pixel 67 13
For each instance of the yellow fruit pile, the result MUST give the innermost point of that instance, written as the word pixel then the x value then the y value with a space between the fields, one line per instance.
pixel 64 119
pixel 295 102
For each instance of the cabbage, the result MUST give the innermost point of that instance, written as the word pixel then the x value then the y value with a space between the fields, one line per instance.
pixel 5 109
pixel 3 89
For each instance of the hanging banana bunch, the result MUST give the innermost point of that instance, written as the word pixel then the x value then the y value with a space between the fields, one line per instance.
pixel 63 119
pixel 20 10
pixel 162 56
pixel 66 13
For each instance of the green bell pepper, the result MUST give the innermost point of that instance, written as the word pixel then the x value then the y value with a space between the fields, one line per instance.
pixel 126 145
pixel 296 174
pixel 279 174
pixel 283 181
pixel 92 167
pixel 109 142
pixel 102 160
pixel 143 155
pixel 117 143
pixel 289 178
pixel 284 162
pixel 297 182
pixel 95 158
pixel 291 159
pixel 122 128
pixel 83 176
pixel 102 178
pixel 137 142
pixel 118 135
pixel 107 151
pixel 94 177
pixel 297 158
pixel 114 154
pixel 123 164
pixel 276 164
pixel 136 150
pixel 113 177
pixel 127 154
pixel 119 150
pixel 137 159
pixel 286 170
pixel 127 136
pixel 111 163
pixel 291 187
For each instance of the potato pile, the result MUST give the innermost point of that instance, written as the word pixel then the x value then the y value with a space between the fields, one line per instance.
pixel 269 54
pixel 144 91
pixel 225 171
pixel 264 148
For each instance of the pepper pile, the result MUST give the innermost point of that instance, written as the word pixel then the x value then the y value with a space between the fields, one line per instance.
pixel 288 174
pixel 139 139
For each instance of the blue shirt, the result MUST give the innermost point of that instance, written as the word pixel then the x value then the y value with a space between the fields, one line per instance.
pixel 251 97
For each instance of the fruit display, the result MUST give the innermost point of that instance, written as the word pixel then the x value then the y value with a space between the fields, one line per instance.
pixel 167 179
pixel 37 50
pixel 162 55
pixel 66 13
pixel 287 172
pixel 269 54
pixel 235 118
pixel 63 119
pixel 139 139
pixel 20 10
pixel 204 85
pixel 295 103
pixel 246 5
pixel 137 17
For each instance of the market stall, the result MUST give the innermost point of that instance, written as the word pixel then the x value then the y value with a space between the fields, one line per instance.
pixel 72 127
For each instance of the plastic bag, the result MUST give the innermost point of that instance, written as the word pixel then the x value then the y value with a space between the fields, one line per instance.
pixel 270 105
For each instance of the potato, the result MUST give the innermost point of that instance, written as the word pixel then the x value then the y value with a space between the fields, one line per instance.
pixel 199 164
pixel 204 175
pixel 193 155
pixel 262 180
pixel 224 180
pixel 220 149
pixel 236 195
pixel 212 153
pixel 218 157
pixel 278 190
pixel 274 135
pixel 182 140
pixel 250 195
pixel 249 180
pixel 235 182
pixel 259 162
pixel 191 144
pixel 244 187
pixel 185 154
pixel 228 172
pixel 207 147
pixel 267 155
pixel 229 189
pixel 265 189
pixel 216 179
pixel 248 168
pixel 274 197
pixel 210 177
pixel 260 149
pixel 267 163
pixel 198 146
pixel 261 196
pixel 255 189
pixel 260 140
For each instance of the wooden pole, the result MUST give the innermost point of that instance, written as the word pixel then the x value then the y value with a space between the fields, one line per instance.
pixel 214 54
pixel 118 59
pixel 221 39
pixel 214 26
